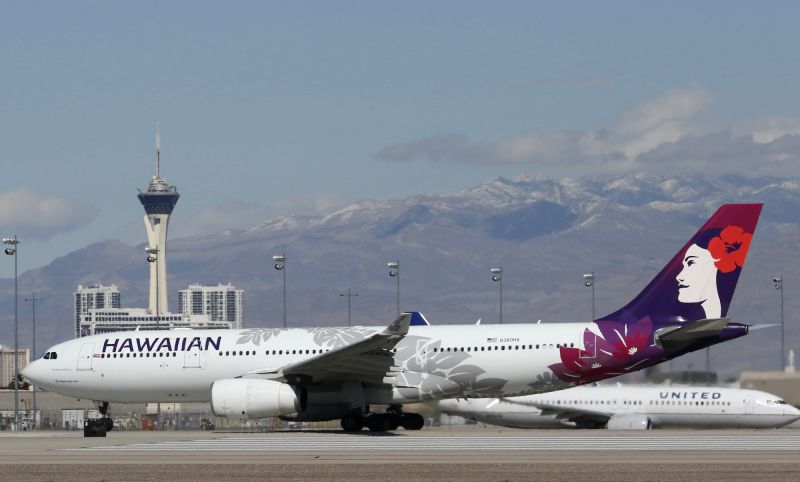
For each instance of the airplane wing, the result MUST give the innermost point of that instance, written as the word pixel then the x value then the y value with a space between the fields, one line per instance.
pixel 574 414
pixel 368 360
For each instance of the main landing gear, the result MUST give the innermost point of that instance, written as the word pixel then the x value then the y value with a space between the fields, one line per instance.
pixel 382 422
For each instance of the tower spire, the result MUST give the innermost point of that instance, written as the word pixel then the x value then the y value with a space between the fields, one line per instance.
pixel 158 151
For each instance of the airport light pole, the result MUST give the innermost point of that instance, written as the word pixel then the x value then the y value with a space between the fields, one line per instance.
pixel 349 295
pixel 394 272
pixel 497 277
pixel 280 265
pixel 778 281
pixel 11 250
pixel 588 281
pixel 32 300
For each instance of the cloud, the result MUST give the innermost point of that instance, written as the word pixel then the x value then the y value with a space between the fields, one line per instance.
pixel 233 214
pixel 30 215
pixel 657 134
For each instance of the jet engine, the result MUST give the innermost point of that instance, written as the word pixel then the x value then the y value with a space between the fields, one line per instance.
pixel 255 398
pixel 629 422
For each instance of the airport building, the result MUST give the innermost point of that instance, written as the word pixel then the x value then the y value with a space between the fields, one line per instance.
pixel 219 303
pixel 93 297
pixel 7 363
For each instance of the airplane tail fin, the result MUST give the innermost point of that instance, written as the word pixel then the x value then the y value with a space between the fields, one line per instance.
pixel 681 310
pixel 418 319
pixel 699 281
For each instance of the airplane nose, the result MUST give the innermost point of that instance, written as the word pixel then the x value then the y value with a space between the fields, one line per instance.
pixel 32 372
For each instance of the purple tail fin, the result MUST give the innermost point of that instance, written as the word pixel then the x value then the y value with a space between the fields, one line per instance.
pixel 700 279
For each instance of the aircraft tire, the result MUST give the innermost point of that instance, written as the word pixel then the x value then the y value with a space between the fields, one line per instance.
pixel 394 420
pixel 352 422
pixel 412 421
pixel 378 422
pixel 109 424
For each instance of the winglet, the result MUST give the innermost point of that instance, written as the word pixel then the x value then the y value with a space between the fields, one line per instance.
pixel 399 326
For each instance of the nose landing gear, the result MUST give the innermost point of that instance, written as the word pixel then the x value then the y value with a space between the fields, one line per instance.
pixel 103 408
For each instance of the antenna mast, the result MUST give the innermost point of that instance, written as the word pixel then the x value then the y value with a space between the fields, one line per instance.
pixel 158 151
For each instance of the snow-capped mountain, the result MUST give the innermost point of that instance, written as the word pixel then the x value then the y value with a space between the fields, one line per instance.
pixel 545 233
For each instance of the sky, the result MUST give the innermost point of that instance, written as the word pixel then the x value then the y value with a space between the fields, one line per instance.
pixel 269 108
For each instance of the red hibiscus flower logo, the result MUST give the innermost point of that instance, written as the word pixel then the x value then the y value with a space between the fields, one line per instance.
pixel 730 248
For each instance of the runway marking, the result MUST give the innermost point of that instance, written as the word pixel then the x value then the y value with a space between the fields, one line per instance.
pixel 349 443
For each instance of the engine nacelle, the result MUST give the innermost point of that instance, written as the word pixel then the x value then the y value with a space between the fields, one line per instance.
pixel 629 422
pixel 255 398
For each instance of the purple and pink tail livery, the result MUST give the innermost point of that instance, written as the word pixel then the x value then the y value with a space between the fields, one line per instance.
pixel 699 281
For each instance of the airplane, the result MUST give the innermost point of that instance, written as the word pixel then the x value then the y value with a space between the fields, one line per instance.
pixel 325 373
pixel 629 408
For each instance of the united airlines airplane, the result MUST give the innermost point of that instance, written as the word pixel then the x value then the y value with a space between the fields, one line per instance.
pixel 629 407
pixel 310 374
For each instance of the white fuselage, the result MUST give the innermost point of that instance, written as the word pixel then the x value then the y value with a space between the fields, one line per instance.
pixel 664 406
pixel 140 366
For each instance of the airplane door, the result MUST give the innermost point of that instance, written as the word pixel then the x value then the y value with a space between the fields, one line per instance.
pixel 192 358
pixel 85 356
pixel 749 402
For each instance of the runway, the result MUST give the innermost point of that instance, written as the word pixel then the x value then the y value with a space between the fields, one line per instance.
pixel 338 443
pixel 483 454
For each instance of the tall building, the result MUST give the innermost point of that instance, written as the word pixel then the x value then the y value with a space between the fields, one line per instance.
pixel 93 297
pixel 97 308
pixel 159 199
pixel 219 303
pixel 110 320
pixel 7 363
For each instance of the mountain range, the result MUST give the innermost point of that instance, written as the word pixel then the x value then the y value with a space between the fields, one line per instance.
pixel 545 233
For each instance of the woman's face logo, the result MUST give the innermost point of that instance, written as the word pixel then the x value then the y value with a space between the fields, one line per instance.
pixel 697 281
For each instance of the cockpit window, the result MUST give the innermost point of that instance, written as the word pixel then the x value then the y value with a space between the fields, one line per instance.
pixel 46 356
pixel 53 355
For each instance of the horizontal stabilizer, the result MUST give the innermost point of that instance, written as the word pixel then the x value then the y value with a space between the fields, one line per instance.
pixel 677 337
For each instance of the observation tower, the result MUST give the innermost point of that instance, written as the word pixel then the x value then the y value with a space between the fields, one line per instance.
pixel 159 200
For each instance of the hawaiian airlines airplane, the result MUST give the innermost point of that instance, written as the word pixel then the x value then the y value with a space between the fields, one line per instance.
pixel 629 407
pixel 313 374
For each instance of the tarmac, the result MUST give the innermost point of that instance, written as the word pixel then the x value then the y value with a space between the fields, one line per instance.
pixel 484 454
